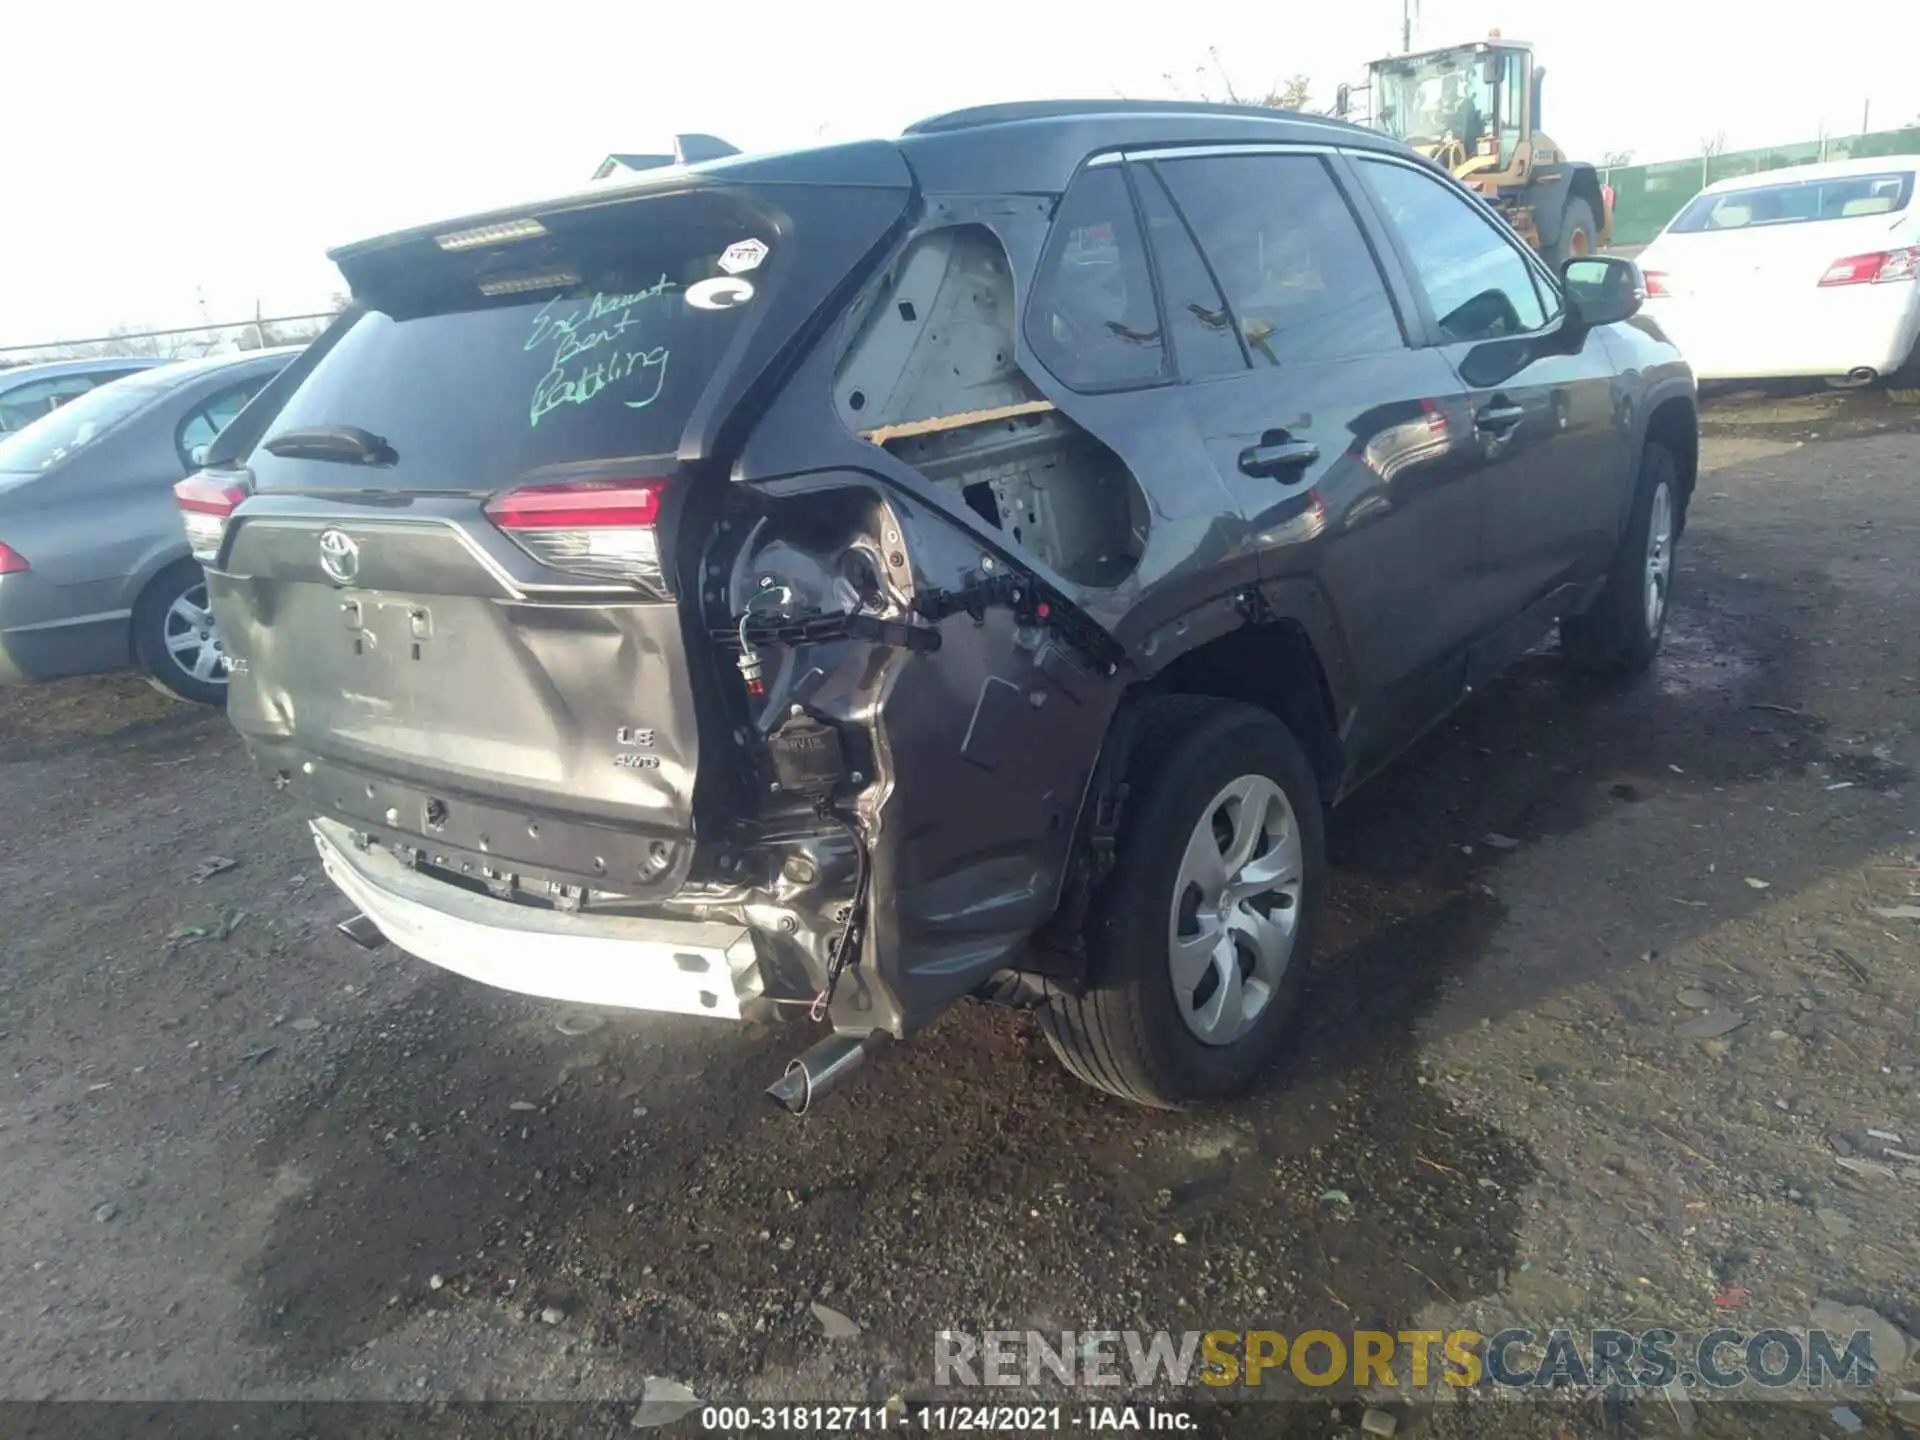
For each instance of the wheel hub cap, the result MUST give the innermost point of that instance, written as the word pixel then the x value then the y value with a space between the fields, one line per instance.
pixel 1659 556
pixel 1236 906
pixel 193 638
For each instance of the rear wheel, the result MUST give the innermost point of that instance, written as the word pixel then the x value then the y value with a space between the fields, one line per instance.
pixel 1623 628
pixel 1202 935
pixel 1905 381
pixel 1577 232
pixel 176 639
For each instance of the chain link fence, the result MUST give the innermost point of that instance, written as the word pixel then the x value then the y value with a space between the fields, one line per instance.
pixel 1646 197
pixel 185 343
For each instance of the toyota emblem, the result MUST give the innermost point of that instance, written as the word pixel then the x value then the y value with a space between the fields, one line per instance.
pixel 339 556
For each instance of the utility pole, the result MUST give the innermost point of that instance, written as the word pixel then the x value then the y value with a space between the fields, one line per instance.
pixel 1866 113
pixel 1407 11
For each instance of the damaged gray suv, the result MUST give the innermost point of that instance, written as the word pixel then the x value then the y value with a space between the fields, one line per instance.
pixel 965 565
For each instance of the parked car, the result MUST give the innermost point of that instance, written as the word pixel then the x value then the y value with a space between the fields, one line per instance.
pixel 94 564
pixel 29 391
pixel 963 565
pixel 1807 272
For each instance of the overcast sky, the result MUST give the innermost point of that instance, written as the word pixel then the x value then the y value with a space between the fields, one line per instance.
pixel 162 152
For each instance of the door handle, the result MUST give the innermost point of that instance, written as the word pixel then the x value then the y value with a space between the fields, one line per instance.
pixel 1275 460
pixel 1498 419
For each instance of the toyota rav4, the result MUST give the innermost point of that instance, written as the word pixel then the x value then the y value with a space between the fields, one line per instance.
pixel 962 565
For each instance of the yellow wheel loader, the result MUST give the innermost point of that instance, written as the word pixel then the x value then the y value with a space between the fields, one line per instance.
pixel 1476 110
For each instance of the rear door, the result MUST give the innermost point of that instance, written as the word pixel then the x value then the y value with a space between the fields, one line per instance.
pixel 1340 439
pixel 450 601
pixel 1547 416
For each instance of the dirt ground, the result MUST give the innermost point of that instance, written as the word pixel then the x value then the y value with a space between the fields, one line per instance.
pixel 242 1159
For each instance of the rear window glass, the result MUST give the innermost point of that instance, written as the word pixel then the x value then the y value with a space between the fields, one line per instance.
pixel 1093 320
pixel 65 432
pixel 611 327
pixel 1844 197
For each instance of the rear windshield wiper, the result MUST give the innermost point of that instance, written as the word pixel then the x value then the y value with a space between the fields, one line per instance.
pixel 341 444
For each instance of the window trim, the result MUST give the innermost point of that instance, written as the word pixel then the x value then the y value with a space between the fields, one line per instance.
pixel 1152 171
pixel 1056 240
pixel 1436 338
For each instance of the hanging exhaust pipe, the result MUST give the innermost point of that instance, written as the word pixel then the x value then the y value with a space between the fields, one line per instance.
pixel 363 932
pixel 824 1068
pixel 1862 375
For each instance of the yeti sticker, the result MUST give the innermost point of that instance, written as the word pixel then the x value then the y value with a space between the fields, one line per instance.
pixel 742 256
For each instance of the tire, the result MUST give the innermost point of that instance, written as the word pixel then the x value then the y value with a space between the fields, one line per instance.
pixel 176 640
pixel 1906 377
pixel 1576 219
pixel 1621 631
pixel 1128 1032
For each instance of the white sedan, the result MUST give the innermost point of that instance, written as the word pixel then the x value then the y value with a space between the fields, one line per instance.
pixel 1809 271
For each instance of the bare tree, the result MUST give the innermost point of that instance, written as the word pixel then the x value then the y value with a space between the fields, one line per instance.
pixel 1214 84
pixel 1293 94
pixel 134 341
pixel 1710 146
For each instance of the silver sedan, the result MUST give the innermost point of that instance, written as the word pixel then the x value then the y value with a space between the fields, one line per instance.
pixel 94 567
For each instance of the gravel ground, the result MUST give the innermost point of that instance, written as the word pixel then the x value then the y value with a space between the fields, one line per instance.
pixel 1608 996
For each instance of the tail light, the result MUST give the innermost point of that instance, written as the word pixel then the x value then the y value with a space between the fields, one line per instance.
pixel 1657 284
pixel 1874 269
pixel 604 528
pixel 12 562
pixel 206 504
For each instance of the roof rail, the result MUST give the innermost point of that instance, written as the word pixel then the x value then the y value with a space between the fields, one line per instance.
pixel 1018 110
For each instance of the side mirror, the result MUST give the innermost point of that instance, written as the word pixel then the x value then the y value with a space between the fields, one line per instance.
pixel 1342 101
pixel 1603 289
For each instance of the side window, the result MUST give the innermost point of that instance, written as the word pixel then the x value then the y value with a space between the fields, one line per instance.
pixel 25 404
pixel 1092 319
pixel 1479 284
pixel 201 426
pixel 1293 261
pixel 1198 321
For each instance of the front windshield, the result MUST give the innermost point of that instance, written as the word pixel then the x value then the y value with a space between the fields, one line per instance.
pixel 63 433
pixel 1429 99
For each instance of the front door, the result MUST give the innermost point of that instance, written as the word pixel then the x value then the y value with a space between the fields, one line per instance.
pixel 1545 413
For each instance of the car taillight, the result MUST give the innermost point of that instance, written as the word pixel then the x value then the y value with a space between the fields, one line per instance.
pixel 205 506
pixel 1874 269
pixel 12 562
pixel 588 527
pixel 1657 286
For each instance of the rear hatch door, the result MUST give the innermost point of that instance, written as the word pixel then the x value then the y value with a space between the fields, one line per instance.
pixel 454 600
pixel 1775 241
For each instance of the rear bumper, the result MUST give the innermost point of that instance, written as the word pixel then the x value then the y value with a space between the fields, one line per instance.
pixel 1833 333
pixel 680 967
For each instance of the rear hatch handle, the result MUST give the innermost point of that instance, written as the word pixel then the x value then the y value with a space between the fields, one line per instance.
pixel 341 444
